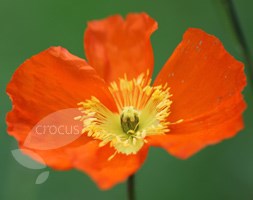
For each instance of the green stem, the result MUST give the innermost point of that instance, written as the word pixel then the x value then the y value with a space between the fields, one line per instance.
pixel 131 187
pixel 231 12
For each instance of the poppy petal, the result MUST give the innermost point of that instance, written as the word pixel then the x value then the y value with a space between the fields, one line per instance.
pixel 106 173
pixel 47 83
pixel 185 140
pixel 206 83
pixel 115 46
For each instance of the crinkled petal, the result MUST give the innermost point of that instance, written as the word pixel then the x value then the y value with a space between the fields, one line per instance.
pixel 115 46
pixel 48 83
pixel 93 160
pixel 206 83
pixel 188 138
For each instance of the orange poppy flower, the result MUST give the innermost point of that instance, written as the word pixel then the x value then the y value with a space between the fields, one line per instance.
pixel 194 101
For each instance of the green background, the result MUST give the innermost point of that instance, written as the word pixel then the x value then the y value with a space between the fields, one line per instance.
pixel 223 171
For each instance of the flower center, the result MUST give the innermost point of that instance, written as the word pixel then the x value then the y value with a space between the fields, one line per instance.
pixel 142 112
pixel 129 120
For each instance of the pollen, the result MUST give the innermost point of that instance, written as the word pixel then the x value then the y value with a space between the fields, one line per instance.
pixel 143 111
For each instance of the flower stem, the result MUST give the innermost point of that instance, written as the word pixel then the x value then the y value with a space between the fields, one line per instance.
pixel 234 20
pixel 131 187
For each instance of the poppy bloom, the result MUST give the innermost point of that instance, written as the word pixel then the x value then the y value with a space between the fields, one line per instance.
pixel 194 101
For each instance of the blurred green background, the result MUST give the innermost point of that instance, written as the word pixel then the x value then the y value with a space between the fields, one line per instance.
pixel 223 171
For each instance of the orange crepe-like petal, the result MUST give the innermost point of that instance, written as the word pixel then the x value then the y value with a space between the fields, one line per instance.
pixel 206 84
pixel 115 46
pixel 106 173
pixel 185 140
pixel 49 82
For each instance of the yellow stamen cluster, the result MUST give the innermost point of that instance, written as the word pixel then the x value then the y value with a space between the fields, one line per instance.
pixel 142 112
